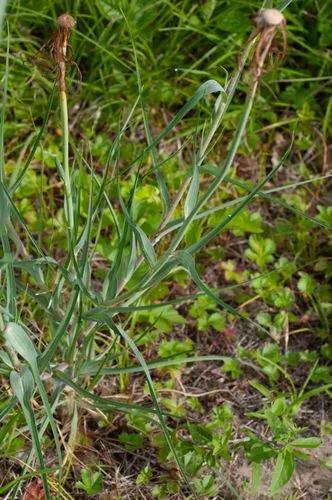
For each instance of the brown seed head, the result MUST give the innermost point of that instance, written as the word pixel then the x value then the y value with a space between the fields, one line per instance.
pixel 66 21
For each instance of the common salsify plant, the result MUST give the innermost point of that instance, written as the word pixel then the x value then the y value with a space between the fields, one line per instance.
pixel 81 317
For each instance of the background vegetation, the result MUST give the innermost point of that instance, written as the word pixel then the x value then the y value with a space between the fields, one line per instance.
pixel 165 305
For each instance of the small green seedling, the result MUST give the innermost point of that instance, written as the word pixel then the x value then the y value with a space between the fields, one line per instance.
pixel 91 482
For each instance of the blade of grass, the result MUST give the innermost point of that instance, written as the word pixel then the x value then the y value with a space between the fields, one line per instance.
pixel 216 230
pixel 18 340
pixel 23 388
pixel 100 402
pixel 187 262
pixel 15 183
pixel 153 394
pixel 89 367
pixel 160 179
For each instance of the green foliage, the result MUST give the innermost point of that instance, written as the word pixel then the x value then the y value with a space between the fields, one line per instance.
pixel 144 477
pixel 232 367
pixel 206 487
pixel 283 470
pixel 261 250
pixel 268 358
pixel 231 273
pixel 306 283
pixel 91 482
pixel 177 349
pixel 207 314
pixel 244 222
pixel 131 442
pixel 286 443
pixel 164 319
pixel 325 215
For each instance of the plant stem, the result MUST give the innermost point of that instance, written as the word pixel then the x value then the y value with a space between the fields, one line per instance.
pixel 69 198
pixel 222 104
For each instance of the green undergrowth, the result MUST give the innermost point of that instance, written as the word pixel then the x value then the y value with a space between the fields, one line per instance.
pixel 165 306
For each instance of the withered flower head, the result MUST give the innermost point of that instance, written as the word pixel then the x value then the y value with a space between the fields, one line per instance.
pixel 269 17
pixel 59 46
pixel 66 21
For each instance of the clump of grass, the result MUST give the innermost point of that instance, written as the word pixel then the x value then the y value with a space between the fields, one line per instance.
pixel 88 332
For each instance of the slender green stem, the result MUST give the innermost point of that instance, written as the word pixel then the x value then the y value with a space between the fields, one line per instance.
pixel 222 104
pixel 30 419
pixel 67 181
pixel 11 284
pixel 49 352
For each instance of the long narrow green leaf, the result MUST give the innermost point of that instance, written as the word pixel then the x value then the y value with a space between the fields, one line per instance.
pixel 16 212
pixel 17 182
pixel 19 340
pixel 193 191
pixel 283 4
pixel 144 242
pixel 23 388
pixel 208 87
pixel 160 179
pixel 2 13
pixel 91 367
pixel 263 194
pixel 50 351
pixel 153 394
pixel 186 260
pixel 216 230
pixel 267 192
pixel 100 402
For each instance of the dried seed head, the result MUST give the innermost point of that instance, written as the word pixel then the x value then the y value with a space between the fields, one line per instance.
pixel 66 21
pixel 269 17
pixel 60 45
